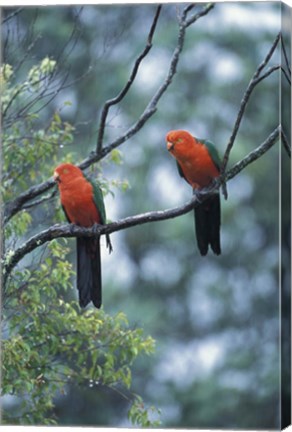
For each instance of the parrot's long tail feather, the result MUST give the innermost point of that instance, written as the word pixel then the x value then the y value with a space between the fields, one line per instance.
pixel 207 224
pixel 89 271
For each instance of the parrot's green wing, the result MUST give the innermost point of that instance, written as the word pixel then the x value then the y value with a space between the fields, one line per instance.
pixel 99 202
pixel 98 199
pixel 212 151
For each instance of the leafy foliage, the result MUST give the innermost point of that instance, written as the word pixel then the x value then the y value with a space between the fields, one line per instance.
pixel 48 342
pixel 139 415
pixel 27 147
pixel 215 319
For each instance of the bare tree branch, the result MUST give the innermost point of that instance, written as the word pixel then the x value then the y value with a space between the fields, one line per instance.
pixel 29 41
pixel 266 74
pixel 254 155
pixel 254 81
pixel 198 15
pixel 52 84
pixel 70 230
pixel 187 9
pixel 44 93
pixel 13 14
pixel 71 37
pixel 130 81
pixel 286 75
pixel 152 106
pixel 40 200
pixel 16 205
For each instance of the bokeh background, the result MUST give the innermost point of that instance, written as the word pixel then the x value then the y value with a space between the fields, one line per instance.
pixel 215 319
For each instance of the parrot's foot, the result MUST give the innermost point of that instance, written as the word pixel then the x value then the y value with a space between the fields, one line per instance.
pixel 95 228
pixel 72 228
pixel 215 185
pixel 197 193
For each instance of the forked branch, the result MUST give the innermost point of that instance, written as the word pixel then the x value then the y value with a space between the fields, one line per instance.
pixel 256 79
pixel 68 230
pixel 129 83
pixel 17 204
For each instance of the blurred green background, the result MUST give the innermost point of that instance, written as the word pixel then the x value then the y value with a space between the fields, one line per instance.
pixel 215 319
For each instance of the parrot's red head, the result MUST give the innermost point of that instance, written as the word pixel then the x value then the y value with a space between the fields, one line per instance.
pixel 179 141
pixel 65 172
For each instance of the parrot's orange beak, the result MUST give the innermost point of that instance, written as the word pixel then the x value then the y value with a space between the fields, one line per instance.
pixel 56 176
pixel 170 145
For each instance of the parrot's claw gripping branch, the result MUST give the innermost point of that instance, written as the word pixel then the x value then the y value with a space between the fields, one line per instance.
pixel 95 227
pixel 199 193
pixel 72 228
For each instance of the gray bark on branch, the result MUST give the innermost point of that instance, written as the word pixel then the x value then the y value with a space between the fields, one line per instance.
pixel 256 79
pixel 69 230
pixel 129 83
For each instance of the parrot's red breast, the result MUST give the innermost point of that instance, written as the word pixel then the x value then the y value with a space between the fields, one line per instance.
pixel 193 157
pixel 76 195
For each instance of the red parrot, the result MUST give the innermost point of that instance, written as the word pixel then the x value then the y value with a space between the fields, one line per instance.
pixel 198 163
pixel 83 205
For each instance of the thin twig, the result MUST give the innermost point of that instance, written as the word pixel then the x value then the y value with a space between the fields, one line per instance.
pixel 70 230
pixel 254 81
pixel 286 75
pixel 16 205
pixel 254 154
pixel 198 15
pixel 12 15
pixel 29 41
pixel 270 71
pixel 71 37
pixel 129 83
pixel 47 92
pixel 266 74
pixel 43 93
pixel 40 200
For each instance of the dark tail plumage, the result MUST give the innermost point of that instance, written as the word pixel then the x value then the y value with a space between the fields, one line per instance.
pixel 89 271
pixel 207 224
